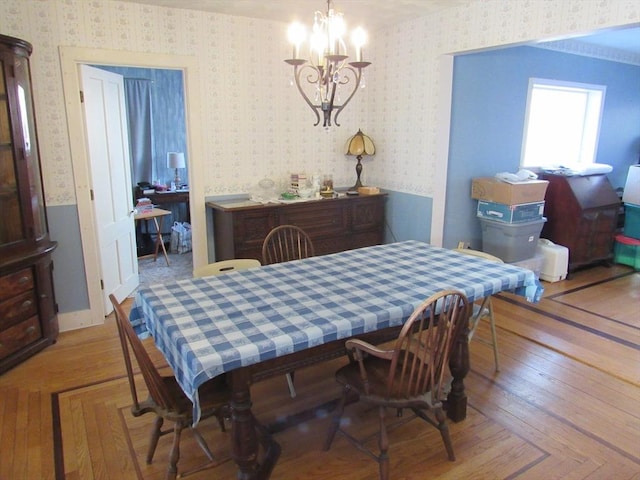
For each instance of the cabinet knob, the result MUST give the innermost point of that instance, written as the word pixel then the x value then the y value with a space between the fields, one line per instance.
pixel 26 304
pixel 23 280
pixel 30 331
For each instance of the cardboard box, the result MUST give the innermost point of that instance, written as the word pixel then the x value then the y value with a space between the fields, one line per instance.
pixel 493 190
pixel 631 192
pixel 522 212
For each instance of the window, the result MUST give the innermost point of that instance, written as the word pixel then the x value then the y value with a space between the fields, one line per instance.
pixel 562 123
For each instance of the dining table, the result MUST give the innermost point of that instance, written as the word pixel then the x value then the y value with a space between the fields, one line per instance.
pixel 258 323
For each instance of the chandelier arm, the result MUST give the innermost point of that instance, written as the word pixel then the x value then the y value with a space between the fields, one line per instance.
pixel 357 75
pixel 297 73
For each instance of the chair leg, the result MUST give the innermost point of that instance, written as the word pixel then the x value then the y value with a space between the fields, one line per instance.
pixel 174 456
pixel 203 444
pixel 155 435
pixel 292 389
pixel 492 323
pixel 335 421
pixel 383 444
pixel 444 432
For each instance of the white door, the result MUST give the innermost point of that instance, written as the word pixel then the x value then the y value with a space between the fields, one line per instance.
pixel 108 147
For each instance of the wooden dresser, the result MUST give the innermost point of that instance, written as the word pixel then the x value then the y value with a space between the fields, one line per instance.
pixel 28 320
pixel 334 225
pixel 582 215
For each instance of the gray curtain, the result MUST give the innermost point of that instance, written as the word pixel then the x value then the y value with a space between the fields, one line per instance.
pixel 139 109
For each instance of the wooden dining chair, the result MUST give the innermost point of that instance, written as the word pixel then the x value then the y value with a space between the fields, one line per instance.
pixel 226 266
pixel 166 398
pixel 483 309
pixel 283 244
pixel 286 243
pixel 408 376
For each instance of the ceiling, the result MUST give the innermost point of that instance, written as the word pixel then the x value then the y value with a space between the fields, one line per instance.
pixel 370 14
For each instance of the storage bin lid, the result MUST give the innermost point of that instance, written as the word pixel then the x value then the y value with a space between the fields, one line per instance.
pixel 627 240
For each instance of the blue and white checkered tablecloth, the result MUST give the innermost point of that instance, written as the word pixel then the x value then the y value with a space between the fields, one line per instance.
pixel 211 325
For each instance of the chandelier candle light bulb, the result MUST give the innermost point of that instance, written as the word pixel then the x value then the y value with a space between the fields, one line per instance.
pixel 327 69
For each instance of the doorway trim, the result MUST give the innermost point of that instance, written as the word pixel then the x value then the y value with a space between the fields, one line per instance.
pixel 70 58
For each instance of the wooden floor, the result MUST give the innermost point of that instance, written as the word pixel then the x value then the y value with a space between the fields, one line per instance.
pixel 565 405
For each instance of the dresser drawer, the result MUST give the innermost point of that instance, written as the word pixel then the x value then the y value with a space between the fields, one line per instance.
pixel 18 308
pixel 19 336
pixel 15 283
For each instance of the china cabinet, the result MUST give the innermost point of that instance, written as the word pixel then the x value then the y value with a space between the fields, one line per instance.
pixel 28 317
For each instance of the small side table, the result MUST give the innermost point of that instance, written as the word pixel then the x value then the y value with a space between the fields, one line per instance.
pixel 155 214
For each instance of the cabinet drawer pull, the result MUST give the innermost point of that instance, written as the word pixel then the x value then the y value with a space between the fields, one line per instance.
pixel 31 330
pixel 23 280
pixel 26 304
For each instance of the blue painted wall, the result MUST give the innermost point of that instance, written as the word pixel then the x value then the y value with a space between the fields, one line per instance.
pixel 488 114
pixel 69 279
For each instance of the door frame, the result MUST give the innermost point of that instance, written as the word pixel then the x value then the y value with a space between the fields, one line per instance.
pixel 70 59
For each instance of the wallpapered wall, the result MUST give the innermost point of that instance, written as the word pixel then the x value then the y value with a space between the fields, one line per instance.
pixel 254 124
pixel 249 135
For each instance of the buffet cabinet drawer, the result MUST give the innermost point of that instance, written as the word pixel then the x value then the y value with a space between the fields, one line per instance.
pixel 19 336
pixel 334 225
pixel 16 309
pixel 16 283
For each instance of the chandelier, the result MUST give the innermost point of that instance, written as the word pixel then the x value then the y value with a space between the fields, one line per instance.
pixel 321 78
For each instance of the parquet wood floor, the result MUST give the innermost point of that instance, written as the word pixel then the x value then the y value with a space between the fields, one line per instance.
pixel 565 404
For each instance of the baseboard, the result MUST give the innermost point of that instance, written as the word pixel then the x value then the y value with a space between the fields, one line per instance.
pixel 76 320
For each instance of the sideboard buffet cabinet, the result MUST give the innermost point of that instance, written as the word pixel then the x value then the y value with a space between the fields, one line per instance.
pixel 28 316
pixel 333 224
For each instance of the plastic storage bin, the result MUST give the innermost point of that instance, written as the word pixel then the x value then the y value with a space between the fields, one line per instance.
pixel 627 251
pixel 556 260
pixel 512 242
pixel 632 220
pixel 534 263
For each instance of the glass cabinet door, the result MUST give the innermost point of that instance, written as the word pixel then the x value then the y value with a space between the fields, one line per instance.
pixel 11 226
pixel 29 145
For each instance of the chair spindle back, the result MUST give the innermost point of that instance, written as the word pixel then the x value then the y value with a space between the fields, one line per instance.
pixel 425 343
pixel 286 243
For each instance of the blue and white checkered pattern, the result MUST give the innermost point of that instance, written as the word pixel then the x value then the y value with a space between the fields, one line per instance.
pixel 212 325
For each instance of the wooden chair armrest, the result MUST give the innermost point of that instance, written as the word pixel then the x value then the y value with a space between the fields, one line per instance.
pixel 364 347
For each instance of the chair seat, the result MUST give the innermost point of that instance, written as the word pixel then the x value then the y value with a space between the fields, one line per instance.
pixel 377 375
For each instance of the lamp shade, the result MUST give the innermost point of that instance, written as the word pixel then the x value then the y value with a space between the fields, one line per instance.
pixel 360 144
pixel 175 160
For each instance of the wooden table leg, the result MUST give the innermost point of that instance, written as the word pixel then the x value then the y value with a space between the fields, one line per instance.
pixel 247 436
pixel 459 367
pixel 160 241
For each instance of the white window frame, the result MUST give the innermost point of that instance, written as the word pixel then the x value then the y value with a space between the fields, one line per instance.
pixel 585 144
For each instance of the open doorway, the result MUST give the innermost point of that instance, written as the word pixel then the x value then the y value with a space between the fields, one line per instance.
pixel 71 58
pixel 157 135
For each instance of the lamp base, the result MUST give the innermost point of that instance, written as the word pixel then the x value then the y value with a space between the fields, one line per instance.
pixel 358 172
